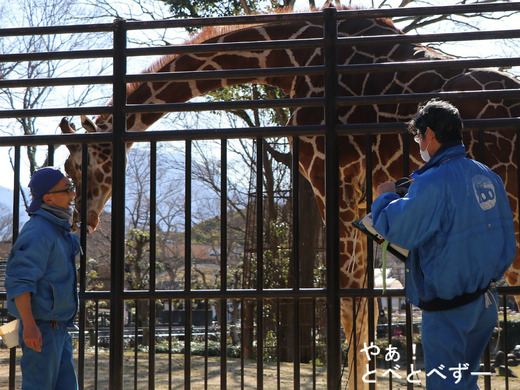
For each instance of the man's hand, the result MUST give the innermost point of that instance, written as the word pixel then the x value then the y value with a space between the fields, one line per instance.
pixel 387 186
pixel 32 337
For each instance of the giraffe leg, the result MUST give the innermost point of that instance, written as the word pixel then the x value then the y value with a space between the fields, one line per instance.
pixel 354 318
pixel 512 276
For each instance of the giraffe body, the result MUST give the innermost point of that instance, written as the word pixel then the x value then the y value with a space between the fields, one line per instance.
pixel 386 149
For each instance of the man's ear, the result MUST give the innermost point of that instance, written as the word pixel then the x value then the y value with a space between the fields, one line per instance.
pixel 430 133
pixel 47 198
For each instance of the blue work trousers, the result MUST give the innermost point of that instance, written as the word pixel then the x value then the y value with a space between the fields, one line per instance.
pixel 454 340
pixel 53 367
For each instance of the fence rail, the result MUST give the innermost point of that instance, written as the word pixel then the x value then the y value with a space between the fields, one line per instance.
pixel 262 313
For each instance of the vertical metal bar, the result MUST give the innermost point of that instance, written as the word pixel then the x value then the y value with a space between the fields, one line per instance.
pixel 170 346
pixel 96 344
pixel 136 342
pixel 16 225
pixel 332 201
pixel 260 264
pixel 277 347
pixel 242 347
pixel 353 364
pixel 389 335
pixel 487 367
pixel 369 301
pixel 50 154
pixel 206 344
pixel 153 260
pixel 314 341
pixel 223 261
pixel 506 347
pixel 409 341
pixel 187 269
pixel 83 265
pixel 118 209
pixel 295 258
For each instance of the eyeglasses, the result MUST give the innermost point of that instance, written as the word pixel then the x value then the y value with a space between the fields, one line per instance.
pixel 68 190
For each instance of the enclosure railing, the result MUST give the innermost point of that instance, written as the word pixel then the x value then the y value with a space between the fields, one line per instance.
pixel 96 328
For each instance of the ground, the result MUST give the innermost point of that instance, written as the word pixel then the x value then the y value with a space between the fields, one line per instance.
pixel 199 368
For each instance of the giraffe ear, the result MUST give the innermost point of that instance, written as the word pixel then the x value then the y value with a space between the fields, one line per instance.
pixel 88 124
pixel 67 127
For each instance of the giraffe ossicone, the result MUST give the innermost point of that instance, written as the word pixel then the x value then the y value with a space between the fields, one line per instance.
pixel 386 149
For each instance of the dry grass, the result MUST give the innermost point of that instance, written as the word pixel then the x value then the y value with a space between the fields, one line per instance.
pixel 273 377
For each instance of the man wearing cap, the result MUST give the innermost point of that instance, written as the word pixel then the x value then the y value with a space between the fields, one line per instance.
pixel 456 221
pixel 41 284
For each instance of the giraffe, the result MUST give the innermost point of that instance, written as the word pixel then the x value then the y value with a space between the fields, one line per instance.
pixel 386 149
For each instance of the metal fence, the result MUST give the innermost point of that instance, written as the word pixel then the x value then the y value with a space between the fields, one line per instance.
pixel 190 316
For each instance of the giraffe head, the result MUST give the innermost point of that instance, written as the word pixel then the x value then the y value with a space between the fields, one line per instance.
pixel 99 171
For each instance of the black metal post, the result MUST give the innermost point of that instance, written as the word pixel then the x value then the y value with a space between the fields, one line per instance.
pixel 83 266
pixel 187 266
pixel 118 209
pixel 370 304
pixel 295 258
pixel 332 198
pixel 260 264
pixel 223 260
pixel 16 224
pixel 153 264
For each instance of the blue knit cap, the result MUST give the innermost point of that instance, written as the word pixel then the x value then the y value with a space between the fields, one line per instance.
pixel 42 182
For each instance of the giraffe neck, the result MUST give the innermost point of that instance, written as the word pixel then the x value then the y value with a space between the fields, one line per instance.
pixel 294 86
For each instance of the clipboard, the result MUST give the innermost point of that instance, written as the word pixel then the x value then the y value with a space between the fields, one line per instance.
pixel 365 226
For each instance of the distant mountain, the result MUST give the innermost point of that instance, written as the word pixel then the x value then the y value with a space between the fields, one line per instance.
pixel 6 200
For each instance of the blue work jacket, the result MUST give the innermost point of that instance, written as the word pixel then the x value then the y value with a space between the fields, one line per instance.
pixel 42 262
pixel 456 221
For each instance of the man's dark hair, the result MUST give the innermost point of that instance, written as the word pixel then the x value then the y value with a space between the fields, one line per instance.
pixel 440 116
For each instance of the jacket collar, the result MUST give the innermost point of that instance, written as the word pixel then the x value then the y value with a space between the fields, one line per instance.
pixel 447 151
pixel 55 220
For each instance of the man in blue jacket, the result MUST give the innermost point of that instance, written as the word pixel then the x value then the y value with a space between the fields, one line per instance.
pixel 41 284
pixel 457 223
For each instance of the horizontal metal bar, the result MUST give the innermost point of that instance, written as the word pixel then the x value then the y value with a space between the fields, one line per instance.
pixel 59 81
pixel 162 135
pixel 505 124
pixel 249 104
pixel 420 97
pixel 251 294
pixel 57 55
pixel 51 30
pixel 428 65
pixel 226 74
pixel 429 11
pixel 230 106
pixel 228 20
pixel 227 47
pixel 47 112
pixel 56 139
pixel 226 133
pixel 263 45
pixel 267 18
pixel 267 72
pixel 433 37
pixel 265 293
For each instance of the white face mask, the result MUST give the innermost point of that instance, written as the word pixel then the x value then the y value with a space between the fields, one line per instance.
pixel 425 155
